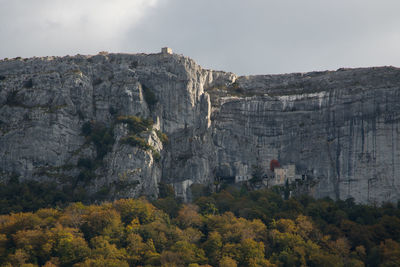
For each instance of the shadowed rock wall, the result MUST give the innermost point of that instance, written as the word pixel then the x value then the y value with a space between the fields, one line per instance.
pixel 340 128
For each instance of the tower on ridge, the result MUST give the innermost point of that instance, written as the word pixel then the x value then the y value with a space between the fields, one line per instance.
pixel 166 50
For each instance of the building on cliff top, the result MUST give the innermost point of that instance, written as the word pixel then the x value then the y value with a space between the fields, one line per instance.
pixel 166 50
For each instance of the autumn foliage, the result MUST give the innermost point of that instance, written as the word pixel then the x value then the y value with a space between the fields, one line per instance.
pixel 274 164
pixel 226 229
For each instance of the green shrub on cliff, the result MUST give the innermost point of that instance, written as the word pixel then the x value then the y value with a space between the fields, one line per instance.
pixel 134 140
pixel 101 135
pixel 149 97
pixel 135 124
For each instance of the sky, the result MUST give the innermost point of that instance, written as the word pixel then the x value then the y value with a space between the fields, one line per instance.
pixel 241 36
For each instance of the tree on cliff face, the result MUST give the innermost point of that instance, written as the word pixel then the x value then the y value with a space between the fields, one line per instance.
pixel 257 173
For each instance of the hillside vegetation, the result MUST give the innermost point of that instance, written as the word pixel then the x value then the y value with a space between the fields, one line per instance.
pixel 230 228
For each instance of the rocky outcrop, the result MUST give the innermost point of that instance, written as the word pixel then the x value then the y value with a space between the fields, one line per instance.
pixel 340 129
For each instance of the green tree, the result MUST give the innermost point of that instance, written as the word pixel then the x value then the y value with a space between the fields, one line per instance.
pixel 213 248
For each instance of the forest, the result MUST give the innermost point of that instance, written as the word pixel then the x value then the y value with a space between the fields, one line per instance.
pixel 234 227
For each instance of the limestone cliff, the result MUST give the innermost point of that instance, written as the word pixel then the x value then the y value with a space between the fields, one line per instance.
pixel 340 129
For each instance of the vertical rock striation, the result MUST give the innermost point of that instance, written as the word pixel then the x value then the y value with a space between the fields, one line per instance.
pixel 339 128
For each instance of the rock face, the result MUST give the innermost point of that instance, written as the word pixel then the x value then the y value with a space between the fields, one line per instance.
pixel 340 129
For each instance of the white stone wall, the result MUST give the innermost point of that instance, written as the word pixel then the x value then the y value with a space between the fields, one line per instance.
pixel 290 172
pixel 280 176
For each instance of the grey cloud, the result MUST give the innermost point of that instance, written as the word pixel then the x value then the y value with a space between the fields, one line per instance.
pixel 245 37
pixel 59 27
pixel 253 37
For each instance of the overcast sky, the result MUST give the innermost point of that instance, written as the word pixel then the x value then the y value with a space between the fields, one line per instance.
pixel 242 36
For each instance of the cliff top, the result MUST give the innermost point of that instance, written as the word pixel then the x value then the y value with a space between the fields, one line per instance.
pixel 225 82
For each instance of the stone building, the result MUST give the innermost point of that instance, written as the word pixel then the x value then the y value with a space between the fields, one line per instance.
pixel 242 178
pixel 166 50
pixel 284 173
pixel 280 176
